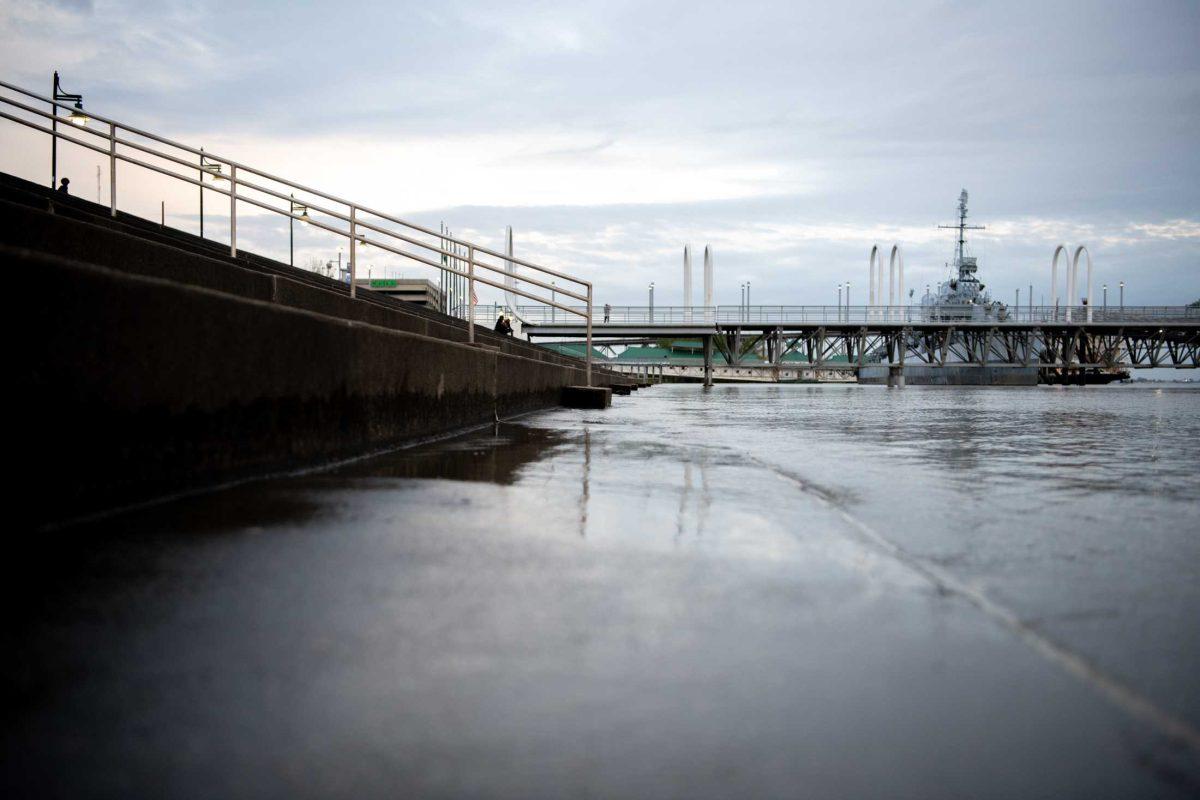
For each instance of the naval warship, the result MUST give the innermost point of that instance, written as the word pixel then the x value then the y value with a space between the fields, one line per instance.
pixel 962 297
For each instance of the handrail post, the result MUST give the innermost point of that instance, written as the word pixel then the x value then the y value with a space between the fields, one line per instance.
pixel 353 249
pixel 54 137
pixel 588 350
pixel 112 168
pixel 471 294
pixel 233 210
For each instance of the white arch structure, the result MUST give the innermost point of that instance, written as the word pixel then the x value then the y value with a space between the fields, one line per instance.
pixel 708 284
pixel 687 281
pixel 875 277
pixel 510 278
pixel 897 254
pixel 1072 265
pixel 876 273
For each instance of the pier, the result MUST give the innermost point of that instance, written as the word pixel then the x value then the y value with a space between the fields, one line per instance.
pixel 1066 339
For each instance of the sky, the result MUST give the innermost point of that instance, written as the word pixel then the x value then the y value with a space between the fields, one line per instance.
pixel 789 136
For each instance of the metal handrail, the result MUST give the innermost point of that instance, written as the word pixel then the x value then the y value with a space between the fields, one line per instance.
pixel 443 248
pixel 701 317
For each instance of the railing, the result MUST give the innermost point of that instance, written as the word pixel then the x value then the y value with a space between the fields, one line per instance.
pixel 360 224
pixel 915 315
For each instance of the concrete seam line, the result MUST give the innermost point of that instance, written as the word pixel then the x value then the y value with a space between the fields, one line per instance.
pixel 1124 697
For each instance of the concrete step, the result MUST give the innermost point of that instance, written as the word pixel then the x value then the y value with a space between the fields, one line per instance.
pixel 596 397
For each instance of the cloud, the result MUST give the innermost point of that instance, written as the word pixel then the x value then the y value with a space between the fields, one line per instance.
pixel 791 136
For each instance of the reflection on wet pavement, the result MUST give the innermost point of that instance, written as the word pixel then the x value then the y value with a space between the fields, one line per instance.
pixel 673 598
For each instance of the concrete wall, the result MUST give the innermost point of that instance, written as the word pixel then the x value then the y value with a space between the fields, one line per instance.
pixel 139 386
pixel 124 247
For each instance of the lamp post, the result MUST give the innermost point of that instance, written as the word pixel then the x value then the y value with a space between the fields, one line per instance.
pixel 839 313
pixel 303 209
pixel 213 171
pixel 651 302
pixel 742 307
pixel 76 117
pixel 1104 294
pixel 1122 287
pixel 847 301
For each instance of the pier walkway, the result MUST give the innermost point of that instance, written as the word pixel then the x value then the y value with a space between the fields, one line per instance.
pixel 1071 339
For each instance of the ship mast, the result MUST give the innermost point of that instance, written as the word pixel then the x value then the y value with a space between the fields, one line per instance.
pixel 962 227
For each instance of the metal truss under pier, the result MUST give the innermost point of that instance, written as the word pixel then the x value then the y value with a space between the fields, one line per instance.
pixel 1066 347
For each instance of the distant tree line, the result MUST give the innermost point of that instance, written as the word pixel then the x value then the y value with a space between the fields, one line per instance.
pixel 1194 305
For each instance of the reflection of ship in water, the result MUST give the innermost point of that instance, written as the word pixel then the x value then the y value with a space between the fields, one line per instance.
pixel 962 297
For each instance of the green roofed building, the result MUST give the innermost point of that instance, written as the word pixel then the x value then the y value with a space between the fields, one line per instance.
pixel 573 349
pixel 658 354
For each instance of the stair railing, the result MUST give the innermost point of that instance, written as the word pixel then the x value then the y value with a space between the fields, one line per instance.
pixel 382 230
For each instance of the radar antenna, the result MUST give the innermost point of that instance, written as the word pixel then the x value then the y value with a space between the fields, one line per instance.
pixel 962 228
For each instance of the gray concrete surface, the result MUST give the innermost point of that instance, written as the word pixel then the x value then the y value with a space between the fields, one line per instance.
pixel 702 594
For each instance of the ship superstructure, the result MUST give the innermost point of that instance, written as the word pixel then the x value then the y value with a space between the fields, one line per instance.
pixel 963 295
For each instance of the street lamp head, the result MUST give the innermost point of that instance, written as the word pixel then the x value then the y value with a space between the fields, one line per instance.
pixel 78 116
pixel 212 172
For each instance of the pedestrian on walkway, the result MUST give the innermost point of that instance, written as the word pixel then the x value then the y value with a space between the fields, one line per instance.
pixel 63 184
pixel 607 311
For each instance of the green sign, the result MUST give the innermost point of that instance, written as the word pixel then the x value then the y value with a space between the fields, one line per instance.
pixel 384 283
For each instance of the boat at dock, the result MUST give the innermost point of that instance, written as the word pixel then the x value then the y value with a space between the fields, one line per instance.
pixel 961 297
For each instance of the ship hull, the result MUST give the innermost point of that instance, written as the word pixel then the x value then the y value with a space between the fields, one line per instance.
pixel 954 375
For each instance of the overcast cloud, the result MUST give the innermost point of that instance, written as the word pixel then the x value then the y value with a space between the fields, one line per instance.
pixel 790 136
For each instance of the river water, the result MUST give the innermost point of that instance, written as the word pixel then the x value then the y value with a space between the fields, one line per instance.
pixel 751 591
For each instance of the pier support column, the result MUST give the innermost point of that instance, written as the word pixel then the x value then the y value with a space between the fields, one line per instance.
pixel 708 350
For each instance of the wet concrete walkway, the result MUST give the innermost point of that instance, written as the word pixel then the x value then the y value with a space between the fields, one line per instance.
pixel 578 605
